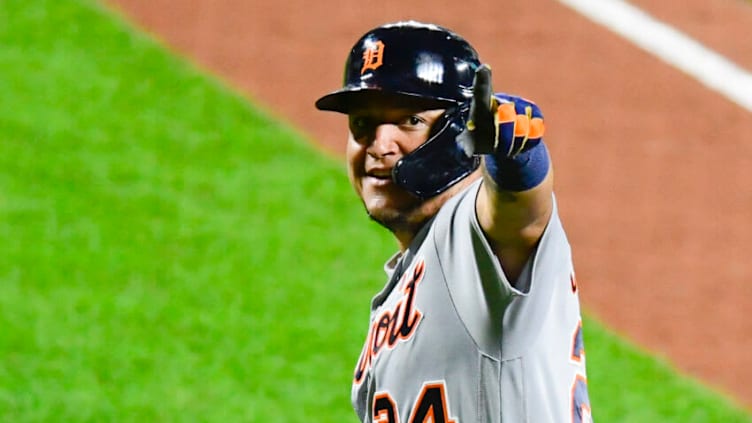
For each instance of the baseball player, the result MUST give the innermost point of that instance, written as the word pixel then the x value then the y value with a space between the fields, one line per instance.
pixel 479 320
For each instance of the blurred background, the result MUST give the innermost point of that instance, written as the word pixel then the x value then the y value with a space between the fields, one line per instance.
pixel 180 243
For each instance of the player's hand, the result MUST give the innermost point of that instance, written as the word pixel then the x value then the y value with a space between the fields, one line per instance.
pixel 500 124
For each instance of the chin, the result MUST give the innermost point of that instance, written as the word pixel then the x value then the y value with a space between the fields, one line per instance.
pixel 389 202
pixel 407 216
pixel 381 212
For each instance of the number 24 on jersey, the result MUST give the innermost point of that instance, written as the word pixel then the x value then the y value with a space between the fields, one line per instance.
pixel 431 406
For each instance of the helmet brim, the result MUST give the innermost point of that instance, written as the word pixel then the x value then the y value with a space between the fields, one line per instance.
pixel 348 99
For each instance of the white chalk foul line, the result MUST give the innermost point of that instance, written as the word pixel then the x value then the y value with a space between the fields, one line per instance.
pixel 671 46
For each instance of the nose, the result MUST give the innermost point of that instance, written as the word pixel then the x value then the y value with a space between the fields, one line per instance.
pixel 384 141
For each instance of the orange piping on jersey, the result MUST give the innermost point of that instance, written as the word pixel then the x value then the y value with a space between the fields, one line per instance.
pixel 578 348
pixel 585 413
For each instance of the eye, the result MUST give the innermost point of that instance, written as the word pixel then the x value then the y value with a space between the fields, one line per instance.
pixel 413 120
pixel 360 125
pixel 358 122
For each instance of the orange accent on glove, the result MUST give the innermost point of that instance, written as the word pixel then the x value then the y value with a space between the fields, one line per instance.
pixel 522 127
pixel 505 113
pixel 537 128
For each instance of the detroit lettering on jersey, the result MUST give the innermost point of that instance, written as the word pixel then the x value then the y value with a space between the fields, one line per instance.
pixel 393 325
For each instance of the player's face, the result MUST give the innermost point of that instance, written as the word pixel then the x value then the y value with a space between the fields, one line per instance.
pixel 379 137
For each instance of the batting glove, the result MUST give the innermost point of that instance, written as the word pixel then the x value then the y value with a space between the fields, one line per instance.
pixel 500 124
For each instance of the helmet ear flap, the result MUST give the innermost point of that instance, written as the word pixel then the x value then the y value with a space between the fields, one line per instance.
pixel 438 163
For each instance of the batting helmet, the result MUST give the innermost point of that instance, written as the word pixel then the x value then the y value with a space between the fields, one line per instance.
pixel 423 66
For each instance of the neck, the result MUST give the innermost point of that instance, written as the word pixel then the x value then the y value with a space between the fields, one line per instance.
pixel 404 238
pixel 405 234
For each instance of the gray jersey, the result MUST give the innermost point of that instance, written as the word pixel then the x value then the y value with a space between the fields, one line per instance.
pixel 452 340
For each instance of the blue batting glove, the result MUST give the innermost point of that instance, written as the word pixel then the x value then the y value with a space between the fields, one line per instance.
pixel 500 124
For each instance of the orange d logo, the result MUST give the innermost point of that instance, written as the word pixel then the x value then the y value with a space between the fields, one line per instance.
pixel 373 57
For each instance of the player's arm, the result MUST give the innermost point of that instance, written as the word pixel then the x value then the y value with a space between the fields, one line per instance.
pixel 515 200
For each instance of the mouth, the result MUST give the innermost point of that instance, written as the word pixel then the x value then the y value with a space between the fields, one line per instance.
pixel 380 176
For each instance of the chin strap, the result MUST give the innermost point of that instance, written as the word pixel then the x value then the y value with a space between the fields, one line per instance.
pixel 439 162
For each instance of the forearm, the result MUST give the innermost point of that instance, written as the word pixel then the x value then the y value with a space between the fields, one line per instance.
pixel 514 216
pixel 515 205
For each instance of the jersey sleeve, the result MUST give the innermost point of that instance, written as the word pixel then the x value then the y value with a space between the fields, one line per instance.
pixel 483 297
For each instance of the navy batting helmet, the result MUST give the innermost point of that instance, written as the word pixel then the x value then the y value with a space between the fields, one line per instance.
pixel 423 66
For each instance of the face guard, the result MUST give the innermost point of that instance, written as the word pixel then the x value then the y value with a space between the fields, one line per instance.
pixel 423 66
pixel 438 163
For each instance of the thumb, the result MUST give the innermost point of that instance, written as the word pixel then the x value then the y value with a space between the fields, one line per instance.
pixel 479 138
pixel 482 91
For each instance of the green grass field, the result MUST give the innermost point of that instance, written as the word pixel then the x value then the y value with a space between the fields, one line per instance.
pixel 171 254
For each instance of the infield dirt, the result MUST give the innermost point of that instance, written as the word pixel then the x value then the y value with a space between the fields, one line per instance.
pixel 653 169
